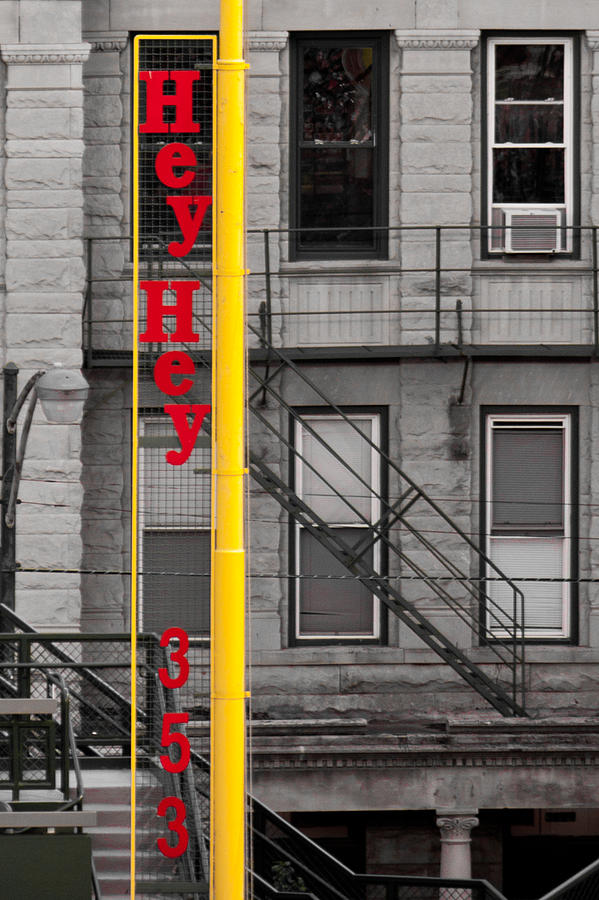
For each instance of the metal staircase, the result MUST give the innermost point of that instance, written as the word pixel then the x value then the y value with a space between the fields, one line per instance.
pixel 283 864
pixel 447 579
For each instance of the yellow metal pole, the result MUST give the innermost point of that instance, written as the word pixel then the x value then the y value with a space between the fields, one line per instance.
pixel 228 790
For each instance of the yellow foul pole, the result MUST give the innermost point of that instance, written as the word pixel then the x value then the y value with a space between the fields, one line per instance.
pixel 228 790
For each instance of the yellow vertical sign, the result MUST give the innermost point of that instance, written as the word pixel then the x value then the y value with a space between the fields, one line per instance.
pixel 174 115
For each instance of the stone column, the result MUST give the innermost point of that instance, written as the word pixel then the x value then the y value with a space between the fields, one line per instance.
pixel 44 290
pixel 436 167
pixel 267 149
pixel 593 557
pixel 455 827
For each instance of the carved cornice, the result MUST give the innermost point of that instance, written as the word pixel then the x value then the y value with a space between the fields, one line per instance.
pixel 546 760
pixel 28 54
pixel 269 41
pixel 456 829
pixel 107 41
pixel 437 40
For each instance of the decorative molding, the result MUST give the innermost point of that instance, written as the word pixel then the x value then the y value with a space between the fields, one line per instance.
pixel 456 829
pixel 304 761
pixel 449 39
pixel 28 54
pixel 269 41
pixel 107 41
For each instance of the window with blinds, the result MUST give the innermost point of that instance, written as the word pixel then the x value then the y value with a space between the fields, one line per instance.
pixel 174 533
pixel 529 518
pixel 328 603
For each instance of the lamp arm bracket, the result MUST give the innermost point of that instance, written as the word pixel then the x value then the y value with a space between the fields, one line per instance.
pixel 11 422
pixel 9 513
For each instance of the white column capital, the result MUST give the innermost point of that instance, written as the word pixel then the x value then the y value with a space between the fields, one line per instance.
pixel 593 39
pixel 456 828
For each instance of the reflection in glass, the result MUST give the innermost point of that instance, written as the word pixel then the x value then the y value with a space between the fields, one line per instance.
pixel 529 71
pixel 529 124
pixel 337 102
pixel 528 176
pixel 336 192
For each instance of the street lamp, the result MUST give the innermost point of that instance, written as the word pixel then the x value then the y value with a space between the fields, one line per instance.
pixel 62 394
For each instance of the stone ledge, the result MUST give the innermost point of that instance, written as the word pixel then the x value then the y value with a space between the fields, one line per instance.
pixel 106 41
pixel 269 41
pixel 437 39
pixel 24 54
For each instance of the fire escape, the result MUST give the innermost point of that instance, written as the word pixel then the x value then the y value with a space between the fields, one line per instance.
pixel 462 580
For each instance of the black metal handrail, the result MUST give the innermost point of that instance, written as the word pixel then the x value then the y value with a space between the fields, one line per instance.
pixel 509 652
pixel 109 729
pixel 68 754
pixel 441 284
pixel 582 886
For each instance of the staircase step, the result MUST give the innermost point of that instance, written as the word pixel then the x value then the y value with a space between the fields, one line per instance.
pixel 112 862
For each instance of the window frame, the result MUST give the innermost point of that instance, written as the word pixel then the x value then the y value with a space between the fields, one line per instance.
pixel 568 416
pixel 572 86
pixel 153 416
pixel 380 162
pixel 379 417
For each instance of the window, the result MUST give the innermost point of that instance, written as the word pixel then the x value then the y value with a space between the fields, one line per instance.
pixel 530 130
pixel 529 518
pixel 339 146
pixel 332 606
pixel 174 539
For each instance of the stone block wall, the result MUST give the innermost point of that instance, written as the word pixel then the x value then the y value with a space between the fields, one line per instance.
pixel 44 276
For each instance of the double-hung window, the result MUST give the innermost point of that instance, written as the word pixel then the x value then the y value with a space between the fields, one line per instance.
pixel 529 489
pixel 531 111
pixel 339 106
pixel 329 602
pixel 174 533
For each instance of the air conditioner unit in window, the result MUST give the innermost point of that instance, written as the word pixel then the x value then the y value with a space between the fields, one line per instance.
pixel 534 231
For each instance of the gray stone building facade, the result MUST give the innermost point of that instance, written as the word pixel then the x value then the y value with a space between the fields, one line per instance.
pixel 444 329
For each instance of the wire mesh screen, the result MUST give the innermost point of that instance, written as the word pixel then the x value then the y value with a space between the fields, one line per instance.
pixel 158 220
pixel 174 241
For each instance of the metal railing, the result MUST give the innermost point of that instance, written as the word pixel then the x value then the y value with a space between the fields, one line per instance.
pixel 27 757
pixel 582 886
pixel 285 863
pixel 445 575
pixel 95 669
pixel 433 295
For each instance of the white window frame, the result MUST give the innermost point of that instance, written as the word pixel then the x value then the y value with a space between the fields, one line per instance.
pixel 375 513
pixel 567 207
pixel 141 514
pixel 533 420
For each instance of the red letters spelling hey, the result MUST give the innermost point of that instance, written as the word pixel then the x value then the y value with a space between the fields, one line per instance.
pixel 189 211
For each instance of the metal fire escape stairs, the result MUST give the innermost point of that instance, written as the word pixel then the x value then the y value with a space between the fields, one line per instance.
pixel 473 601
pixel 488 606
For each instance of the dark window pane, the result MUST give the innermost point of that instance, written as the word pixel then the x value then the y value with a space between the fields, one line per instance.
pixel 337 94
pixel 181 601
pixel 336 192
pixel 528 478
pixel 528 176
pixel 529 124
pixel 330 605
pixel 529 71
